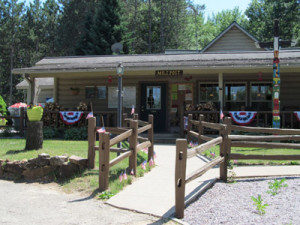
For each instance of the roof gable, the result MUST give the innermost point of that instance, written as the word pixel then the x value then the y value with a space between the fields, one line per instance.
pixel 233 38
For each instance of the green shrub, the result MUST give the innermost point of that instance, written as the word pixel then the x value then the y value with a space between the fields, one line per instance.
pixel 50 132
pixel 3 109
pixel 7 132
pixel 76 134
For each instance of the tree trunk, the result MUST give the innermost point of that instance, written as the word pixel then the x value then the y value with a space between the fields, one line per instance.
pixel 150 27
pixel 34 135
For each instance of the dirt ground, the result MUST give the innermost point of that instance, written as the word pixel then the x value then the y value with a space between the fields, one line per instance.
pixel 29 204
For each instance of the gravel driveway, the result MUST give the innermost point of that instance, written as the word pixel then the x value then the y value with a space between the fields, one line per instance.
pixel 231 204
pixel 22 203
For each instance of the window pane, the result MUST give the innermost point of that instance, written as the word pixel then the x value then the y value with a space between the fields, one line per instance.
pixel 101 92
pixel 90 92
pixel 153 97
pixel 208 92
pixel 261 92
pixel 235 92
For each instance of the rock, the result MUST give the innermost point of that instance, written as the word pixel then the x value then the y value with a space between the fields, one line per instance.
pixel 78 161
pixel 67 170
pixel 14 167
pixel 58 160
pixel 33 174
pixel 42 160
pixel 44 156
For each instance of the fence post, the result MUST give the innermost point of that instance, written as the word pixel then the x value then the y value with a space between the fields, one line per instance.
pixel 136 116
pixel 91 142
pixel 132 146
pixel 124 121
pixel 22 118
pixel 228 123
pixel 189 127
pixel 223 153
pixel 151 138
pixel 103 161
pixel 180 173
pixel 200 129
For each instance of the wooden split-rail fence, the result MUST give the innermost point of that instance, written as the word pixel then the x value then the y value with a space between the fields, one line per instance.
pixel 107 145
pixel 226 140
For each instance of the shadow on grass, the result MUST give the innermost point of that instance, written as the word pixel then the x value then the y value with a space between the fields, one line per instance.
pixel 14 152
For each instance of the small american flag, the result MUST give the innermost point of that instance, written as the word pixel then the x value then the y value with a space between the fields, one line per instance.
pixel 89 115
pixel 132 173
pixel 121 177
pixel 125 175
pixel 221 115
pixel 132 110
pixel 151 162
pixel 143 165
pixel 101 130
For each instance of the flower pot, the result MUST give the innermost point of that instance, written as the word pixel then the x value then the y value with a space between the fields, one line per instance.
pixel 3 122
pixel 35 113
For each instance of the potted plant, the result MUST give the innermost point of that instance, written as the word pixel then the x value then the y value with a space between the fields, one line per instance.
pixel 35 113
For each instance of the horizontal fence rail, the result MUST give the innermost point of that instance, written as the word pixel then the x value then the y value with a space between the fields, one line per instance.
pixel 203 147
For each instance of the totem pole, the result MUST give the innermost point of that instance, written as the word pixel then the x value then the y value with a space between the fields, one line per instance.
pixel 276 78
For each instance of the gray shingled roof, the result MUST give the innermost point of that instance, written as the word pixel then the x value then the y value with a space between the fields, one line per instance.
pixel 226 60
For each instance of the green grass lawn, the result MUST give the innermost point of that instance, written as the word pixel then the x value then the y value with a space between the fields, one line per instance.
pixel 87 181
pixel 259 151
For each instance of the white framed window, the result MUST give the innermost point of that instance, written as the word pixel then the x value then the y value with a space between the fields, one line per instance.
pixel 261 95
pixel 208 91
pixel 235 95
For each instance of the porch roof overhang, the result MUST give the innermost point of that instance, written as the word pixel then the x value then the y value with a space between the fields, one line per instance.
pixel 204 61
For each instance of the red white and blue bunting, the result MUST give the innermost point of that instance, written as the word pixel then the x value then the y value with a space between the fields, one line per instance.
pixel 70 117
pixel 242 117
pixel 297 114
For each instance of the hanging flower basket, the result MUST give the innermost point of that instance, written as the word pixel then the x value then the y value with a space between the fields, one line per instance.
pixel 35 113
pixel 3 122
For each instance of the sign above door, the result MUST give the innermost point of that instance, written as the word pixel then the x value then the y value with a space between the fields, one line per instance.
pixel 168 73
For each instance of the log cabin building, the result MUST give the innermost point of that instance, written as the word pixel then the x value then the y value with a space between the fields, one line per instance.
pixel 230 71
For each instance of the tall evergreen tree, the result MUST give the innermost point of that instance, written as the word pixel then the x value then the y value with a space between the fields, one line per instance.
pixel 10 47
pixel 102 31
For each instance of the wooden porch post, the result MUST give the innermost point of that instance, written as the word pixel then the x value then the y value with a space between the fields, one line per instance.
pixel 55 90
pixel 221 90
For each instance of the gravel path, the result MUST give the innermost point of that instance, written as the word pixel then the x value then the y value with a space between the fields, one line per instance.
pixel 231 204
pixel 30 204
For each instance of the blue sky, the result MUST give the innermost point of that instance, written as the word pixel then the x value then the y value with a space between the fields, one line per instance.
pixel 215 6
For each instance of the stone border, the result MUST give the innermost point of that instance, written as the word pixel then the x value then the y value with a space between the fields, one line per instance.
pixel 43 168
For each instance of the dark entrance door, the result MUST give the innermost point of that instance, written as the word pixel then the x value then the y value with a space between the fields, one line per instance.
pixel 153 101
